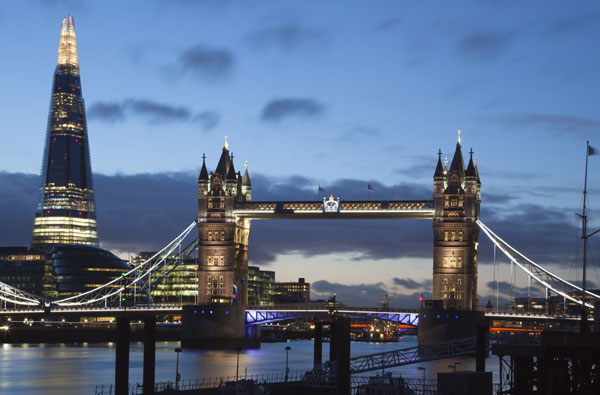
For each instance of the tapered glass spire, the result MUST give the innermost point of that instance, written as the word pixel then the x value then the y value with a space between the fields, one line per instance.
pixel 66 213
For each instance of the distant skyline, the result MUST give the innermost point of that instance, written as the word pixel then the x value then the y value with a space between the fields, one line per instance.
pixel 340 94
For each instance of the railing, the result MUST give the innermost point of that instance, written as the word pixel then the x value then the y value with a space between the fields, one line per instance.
pixel 204 383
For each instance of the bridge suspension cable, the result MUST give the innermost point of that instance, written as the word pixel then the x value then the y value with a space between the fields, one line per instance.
pixel 106 292
pixel 548 279
pixel 118 285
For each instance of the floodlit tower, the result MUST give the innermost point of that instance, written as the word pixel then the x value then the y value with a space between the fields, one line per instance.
pixel 457 197
pixel 222 238
pixel 66 213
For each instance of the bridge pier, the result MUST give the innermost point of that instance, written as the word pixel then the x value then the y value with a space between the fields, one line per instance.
pixel 318 350
pixel 217 326
pixel 122 356
pixel 149 354
pixel 340 352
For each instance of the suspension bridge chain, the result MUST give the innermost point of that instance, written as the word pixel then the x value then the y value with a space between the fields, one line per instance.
pixel 538 273
pixel 106 292
pixel 324 374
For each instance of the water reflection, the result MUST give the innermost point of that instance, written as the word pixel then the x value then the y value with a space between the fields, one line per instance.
pixel 78 368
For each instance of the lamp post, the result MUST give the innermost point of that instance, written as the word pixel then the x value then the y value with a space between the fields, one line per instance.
pixel 423 369
pixel 237 366
pixel 177 377
pixel 287 370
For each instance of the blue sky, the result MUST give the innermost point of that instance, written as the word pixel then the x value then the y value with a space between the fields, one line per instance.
pixel 338 94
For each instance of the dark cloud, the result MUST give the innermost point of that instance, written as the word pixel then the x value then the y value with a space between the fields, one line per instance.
pixel 208 119
pixel 18 201
pixel 282 108
pixel 407 283
pixel 362 294
pixel 555 123
pixel 567 25
pixel 484 45
pixel 543 234
pixel 505 289
pixel 206 63
pixel 145 211
pixel 157 112
pixel 110 112
pixel 284 37
pixel 152 111
pixel 375 239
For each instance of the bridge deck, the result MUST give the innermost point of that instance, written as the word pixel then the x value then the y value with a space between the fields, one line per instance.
pixel 405 209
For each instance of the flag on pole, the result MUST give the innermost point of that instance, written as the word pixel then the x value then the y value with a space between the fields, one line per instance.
pixel 369 187
pixel 591 150
pixel 321 189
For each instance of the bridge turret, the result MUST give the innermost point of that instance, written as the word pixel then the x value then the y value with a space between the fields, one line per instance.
pixel 223 238
pixel 439 177
pixel 246 184
pixel 456 203
pixel 203 182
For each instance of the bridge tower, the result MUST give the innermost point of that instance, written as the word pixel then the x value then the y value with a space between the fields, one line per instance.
pixel 223 239
pixel 457 197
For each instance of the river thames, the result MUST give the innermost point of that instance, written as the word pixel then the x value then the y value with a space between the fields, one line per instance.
pixel 53 369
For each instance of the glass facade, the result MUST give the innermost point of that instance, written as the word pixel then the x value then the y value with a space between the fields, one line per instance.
pixel 260 287
pixel 66 213
pixel 78 269
pixel 175 282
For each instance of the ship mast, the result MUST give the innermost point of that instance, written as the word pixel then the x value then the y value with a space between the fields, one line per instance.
pixel 585 236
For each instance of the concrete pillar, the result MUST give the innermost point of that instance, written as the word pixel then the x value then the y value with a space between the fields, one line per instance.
pixel 122 356
pixel 318 351
pixel 482 331
pixel 333 340
pixel 343 354
pixel 149 354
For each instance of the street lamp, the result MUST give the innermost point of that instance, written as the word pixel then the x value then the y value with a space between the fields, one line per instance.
pixel 287 370
pixel 237 366
pixel 177 376
pixel 423 369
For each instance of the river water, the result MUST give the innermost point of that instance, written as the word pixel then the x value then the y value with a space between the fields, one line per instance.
pixel 53 369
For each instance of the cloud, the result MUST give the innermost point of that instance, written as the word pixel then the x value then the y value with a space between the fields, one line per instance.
pixel 483 45
pixel 556 123
pixel 356 295
pixel 209 119
pixel 407 283
pixel 206 63
pixel 285 37
pixel 157 112
pixel 144 211
pixel 153 112
pixel 505 289
pixel 279 109
pixel 110 112
pixel 567 25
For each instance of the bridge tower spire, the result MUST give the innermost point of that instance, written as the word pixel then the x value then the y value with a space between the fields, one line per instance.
pixel 223 239
pixel 457 197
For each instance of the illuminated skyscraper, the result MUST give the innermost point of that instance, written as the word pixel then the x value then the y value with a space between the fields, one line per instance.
pixel 66 213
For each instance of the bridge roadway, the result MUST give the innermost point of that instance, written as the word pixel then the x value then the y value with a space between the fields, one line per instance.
pixel 256 315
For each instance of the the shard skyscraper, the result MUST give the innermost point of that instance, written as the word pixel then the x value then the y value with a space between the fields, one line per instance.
pixel 66 213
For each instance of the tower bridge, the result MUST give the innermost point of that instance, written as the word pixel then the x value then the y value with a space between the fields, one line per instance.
pixel 225 213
